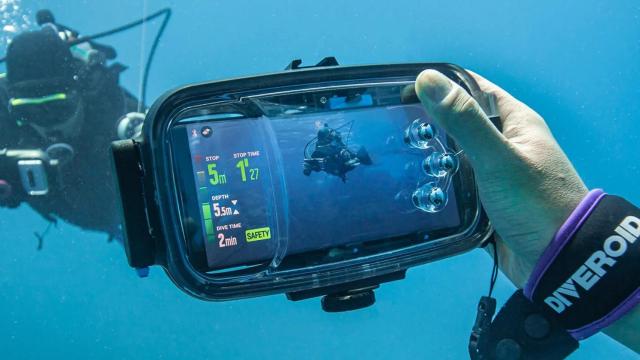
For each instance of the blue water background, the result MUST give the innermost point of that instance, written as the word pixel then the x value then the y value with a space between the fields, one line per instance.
pixel 575 62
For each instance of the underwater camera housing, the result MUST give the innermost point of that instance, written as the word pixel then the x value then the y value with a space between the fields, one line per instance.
pixel 321 180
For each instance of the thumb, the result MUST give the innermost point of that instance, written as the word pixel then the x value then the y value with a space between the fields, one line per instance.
pixel 458 113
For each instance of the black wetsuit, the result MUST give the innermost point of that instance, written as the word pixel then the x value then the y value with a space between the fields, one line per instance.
pixel 337 158
pixel 86 195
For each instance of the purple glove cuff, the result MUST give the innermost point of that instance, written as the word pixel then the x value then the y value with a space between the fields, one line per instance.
pixel 624 307
pixel 578 244
pixel 562 236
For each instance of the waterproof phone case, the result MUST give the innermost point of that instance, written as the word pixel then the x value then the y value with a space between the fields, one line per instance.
pixel 312 181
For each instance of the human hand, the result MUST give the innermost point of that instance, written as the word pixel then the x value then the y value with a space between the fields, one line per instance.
pixel 527 185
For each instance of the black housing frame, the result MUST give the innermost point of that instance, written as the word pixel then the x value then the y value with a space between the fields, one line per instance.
pixel 153 233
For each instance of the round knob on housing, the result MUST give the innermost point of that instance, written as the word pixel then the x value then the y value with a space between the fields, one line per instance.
pixel 429 198
pixel 418 134
pixel 439 164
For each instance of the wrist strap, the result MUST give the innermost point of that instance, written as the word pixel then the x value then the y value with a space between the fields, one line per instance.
pixel 587 278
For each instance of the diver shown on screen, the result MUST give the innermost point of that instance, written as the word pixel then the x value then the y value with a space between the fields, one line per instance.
pixel 328 152
pixel 61 105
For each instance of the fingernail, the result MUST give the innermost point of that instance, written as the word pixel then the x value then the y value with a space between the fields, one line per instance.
pixel 433 85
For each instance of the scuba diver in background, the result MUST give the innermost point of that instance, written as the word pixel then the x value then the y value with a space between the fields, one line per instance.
pixel 62 105
pixel 332 155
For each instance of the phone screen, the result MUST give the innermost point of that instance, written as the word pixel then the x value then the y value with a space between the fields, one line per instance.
pixel 307 182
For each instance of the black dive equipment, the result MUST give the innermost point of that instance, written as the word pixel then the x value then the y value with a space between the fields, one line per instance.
pixel 580 285
pixel 320 180
pixel 45 17
pixel 32 172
